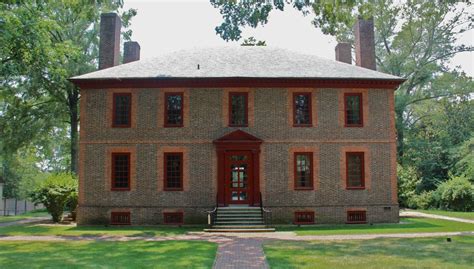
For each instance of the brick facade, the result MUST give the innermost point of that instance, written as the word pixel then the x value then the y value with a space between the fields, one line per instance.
pixel 205 119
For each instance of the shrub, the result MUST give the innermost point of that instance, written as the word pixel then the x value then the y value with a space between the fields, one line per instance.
pixel 456 194
pixel 54 193
pixel 72 202
pixel 423 200
pixel 407 183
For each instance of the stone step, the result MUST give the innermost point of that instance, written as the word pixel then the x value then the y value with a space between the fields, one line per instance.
pixel 240 218
pixel 239 230
pixel 232 223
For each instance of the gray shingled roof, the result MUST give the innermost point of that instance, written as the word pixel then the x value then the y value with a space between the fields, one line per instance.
pixel 237 61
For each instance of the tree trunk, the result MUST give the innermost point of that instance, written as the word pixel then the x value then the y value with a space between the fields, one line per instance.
pixel 400 134
pixel 73 100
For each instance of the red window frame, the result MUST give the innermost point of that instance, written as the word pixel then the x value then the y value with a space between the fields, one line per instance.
pixel 310 109
pixel 362 171
pixel 180 216
pixel 356 216
pixel 361 113
pixel 246 96
pixel 165 166
pixel 295 166
pixel 165 121
pixel 115 218
pixel 113 171
pixel 114 116
pixel 309 215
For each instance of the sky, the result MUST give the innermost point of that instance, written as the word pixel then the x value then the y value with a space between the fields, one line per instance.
pixel 163 26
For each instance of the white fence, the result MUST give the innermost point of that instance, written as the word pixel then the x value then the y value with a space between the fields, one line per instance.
pixel 9 207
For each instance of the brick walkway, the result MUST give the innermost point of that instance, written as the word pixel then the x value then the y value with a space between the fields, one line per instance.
pixel 241 253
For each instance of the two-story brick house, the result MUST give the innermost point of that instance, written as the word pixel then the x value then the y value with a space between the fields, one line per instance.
pixel 162 140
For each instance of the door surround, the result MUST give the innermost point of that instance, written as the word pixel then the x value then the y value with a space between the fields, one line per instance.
pixel 238 140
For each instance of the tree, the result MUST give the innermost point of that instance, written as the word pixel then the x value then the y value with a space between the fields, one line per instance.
pixel 43 44
pixel 251 41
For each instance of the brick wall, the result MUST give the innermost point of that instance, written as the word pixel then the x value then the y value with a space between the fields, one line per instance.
pixel 204 118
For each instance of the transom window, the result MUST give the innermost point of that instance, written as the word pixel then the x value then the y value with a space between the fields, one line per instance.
pixel 173 171
pixel 238 109
pixel 355 170
pixel 303 170
pixel 304 217
pixel 122 109
pixel 353 109
pixel 302 109
pixel 174 109
pixel 120 171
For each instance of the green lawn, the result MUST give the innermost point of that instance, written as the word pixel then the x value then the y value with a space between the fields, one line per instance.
pixel 100 254
pixel 145 231
pixel 454 214
pixel 34 213
pixel 377 253
pixel 407 225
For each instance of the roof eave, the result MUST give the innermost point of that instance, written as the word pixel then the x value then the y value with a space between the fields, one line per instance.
pixel 221 82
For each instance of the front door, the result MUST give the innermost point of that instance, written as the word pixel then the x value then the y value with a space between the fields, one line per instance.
pixel 238 177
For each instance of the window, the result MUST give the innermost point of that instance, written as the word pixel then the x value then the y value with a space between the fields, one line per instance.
pixel 173 172
pixel 353 109
pixel 175 218
pixel 304 217
pixel 302 109
pixel 355 177
pixel 238 109
pixel 121 171
pixel 174 109
pixel 358 216
pixel 303 170
pixel 120 218
pixel 122 109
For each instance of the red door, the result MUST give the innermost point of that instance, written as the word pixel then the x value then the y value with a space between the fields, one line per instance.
pixel 238 177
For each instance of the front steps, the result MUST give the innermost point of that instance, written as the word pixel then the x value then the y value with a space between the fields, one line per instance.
pixel 239 219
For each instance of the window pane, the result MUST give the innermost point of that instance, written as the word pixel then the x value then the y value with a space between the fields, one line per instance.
pixel 121 173
pixel 353 113
pixel 174 108
pixel 355 170
pixel 122 109
pixel 173 171
pixel 302 109
pixel 238 109
pixel 303 171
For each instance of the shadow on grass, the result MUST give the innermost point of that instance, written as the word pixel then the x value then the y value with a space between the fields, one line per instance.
pixel 377 253
pixel 87 254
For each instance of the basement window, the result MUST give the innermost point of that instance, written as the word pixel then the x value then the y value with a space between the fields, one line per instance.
pixel 173 218
pixel 304 217
pixel 358 216
pixel 120 218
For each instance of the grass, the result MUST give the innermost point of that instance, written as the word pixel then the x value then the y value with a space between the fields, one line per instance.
pixel 144 231
pixel 100 254
pixel 378 253
pixel 407 225
pixel 454 214
pixel 34 213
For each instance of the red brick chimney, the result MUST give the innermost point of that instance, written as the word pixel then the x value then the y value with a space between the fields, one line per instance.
pixel 131 51
pixel 365 43
pixel 109 45
pixel 343 53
